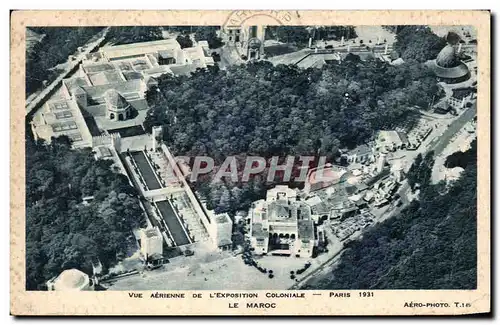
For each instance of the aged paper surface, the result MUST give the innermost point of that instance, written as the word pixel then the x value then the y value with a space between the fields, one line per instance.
pixel 173 288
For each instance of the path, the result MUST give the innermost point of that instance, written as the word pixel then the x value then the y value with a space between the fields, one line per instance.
pixel 42 97
pixel 173 223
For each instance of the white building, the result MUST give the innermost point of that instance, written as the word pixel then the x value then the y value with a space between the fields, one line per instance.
pixel 282 224
pixel 397 169
pixel 71 280
pixel 220 230
pixel 110 86
pixel 151 242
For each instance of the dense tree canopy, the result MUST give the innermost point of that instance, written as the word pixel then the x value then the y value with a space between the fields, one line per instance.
pixel 418 43
pixel 55 47
pixel 262 110
pixel 430 245
pixel 62 231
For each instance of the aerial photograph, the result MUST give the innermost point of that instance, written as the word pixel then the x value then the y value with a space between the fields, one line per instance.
pixel 251 157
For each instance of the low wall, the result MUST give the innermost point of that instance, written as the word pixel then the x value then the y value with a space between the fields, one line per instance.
pixel 194 201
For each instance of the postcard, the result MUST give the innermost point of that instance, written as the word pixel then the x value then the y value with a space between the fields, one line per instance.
pixel 257 162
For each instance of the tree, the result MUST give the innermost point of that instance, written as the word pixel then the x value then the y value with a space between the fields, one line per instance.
pixel 134 34
pixel 209 34
pixel 184 41
pixel 265 110
pixel 63 233
pixel 430 245
pixel 413 172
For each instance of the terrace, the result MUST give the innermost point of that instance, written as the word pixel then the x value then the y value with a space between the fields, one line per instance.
pixel 174 225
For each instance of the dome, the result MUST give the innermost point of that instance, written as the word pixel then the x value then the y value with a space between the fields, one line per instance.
pixel 447 58
pixel 116 100
pixel 72 280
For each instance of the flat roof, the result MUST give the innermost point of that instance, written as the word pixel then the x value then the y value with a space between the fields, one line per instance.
pixel 141 48
pixel 258 230
pixel 152 232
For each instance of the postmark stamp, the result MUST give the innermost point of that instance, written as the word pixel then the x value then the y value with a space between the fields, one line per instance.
pixel 244 31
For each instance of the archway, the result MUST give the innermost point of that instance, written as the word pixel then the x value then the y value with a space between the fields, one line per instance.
pixel 120 117
pixel 112 116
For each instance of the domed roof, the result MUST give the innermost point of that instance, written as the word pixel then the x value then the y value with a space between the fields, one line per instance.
pixel 447 58
pixel 71 280
pixel 115 99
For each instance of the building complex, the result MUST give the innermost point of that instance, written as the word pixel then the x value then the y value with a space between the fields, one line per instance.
pixel 107 91
pixel 282 224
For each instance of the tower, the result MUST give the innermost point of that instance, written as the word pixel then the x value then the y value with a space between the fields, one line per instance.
pixel 255 42
pixel 381 161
